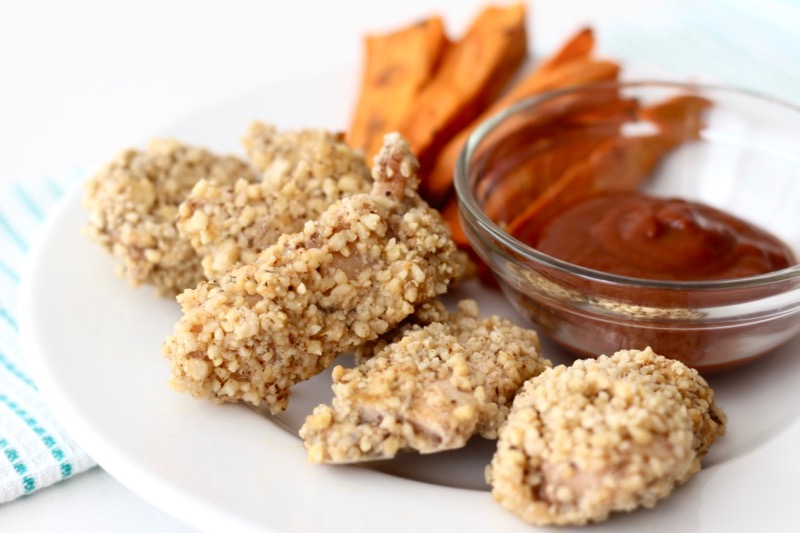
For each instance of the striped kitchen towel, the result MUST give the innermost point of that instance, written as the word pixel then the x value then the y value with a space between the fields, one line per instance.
pixel 751 44
pixel 34 450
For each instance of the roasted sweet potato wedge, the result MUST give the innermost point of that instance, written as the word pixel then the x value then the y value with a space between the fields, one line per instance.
pixel 396 67
pixel 517 168
pixel 544 153
pixel 618 164
pixel 570 66
pixel 469 78
pixel 450 216
pixel 579 46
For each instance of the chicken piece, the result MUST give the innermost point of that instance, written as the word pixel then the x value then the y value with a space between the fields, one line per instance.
pixel 346 278
pixel 708 420
pixel 133 202
pixel 285 156
pixel 604 435
pixel 427 313
pixel 303 173
pixel 429 391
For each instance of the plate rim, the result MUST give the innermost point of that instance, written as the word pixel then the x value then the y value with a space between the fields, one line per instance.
pixel 157 490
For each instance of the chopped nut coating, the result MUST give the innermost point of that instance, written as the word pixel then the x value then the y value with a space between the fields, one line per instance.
pixel 430 389
pixel 302 174
pixel 346 278
pixel 604 435
pixel 133 203
pixel 427 313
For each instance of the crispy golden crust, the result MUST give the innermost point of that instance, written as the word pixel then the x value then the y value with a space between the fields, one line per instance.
pixel 708 420
pixel 603 435
pixel 343 280
pixel 429 390
pixel 303 173
pixel 285 156
pixel 427 313
pixel 133 202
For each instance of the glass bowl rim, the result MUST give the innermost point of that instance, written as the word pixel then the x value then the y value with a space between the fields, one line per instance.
pixel 468 203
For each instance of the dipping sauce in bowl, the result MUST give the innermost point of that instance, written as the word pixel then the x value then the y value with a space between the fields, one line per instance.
pixel 641 236
pixel 621 216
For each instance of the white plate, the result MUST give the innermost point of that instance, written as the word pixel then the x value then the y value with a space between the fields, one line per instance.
pixel 94 344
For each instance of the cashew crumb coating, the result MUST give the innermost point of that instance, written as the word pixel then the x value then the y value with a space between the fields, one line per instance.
pixel 302 174
pixel 427 313
pixel 133 203
pixel 346 278
pixel 430 390
pixel 603 435
pixel 285 156
pixel 708 420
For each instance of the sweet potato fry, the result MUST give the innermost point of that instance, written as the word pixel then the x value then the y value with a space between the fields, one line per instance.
pixel 397 66
pixel 579 46
pixel 539 153
pixel 438 181
pixel 450 216
pixel 626 159
pixel 537 173
pixel 618 164
pixel 681 117
pixel 471 74
pixel 519 167
pixel 526 174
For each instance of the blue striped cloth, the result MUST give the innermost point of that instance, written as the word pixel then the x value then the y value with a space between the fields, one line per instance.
pixel 34 450
pixel 751 44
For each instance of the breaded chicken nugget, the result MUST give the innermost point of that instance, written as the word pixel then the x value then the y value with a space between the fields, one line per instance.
pixel 133 202
pixel 708 420
pixel 604 435
pixel 430 390
pixel 291 155
pixel 427 313
pixel 302 174
pixel 346 278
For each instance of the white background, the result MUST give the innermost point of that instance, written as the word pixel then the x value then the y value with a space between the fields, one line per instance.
pixel 81 79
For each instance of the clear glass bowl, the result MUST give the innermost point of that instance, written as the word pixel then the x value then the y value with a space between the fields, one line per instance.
pixel 746 162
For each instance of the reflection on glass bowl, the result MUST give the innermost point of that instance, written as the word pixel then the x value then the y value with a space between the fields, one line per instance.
pixel 741 159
